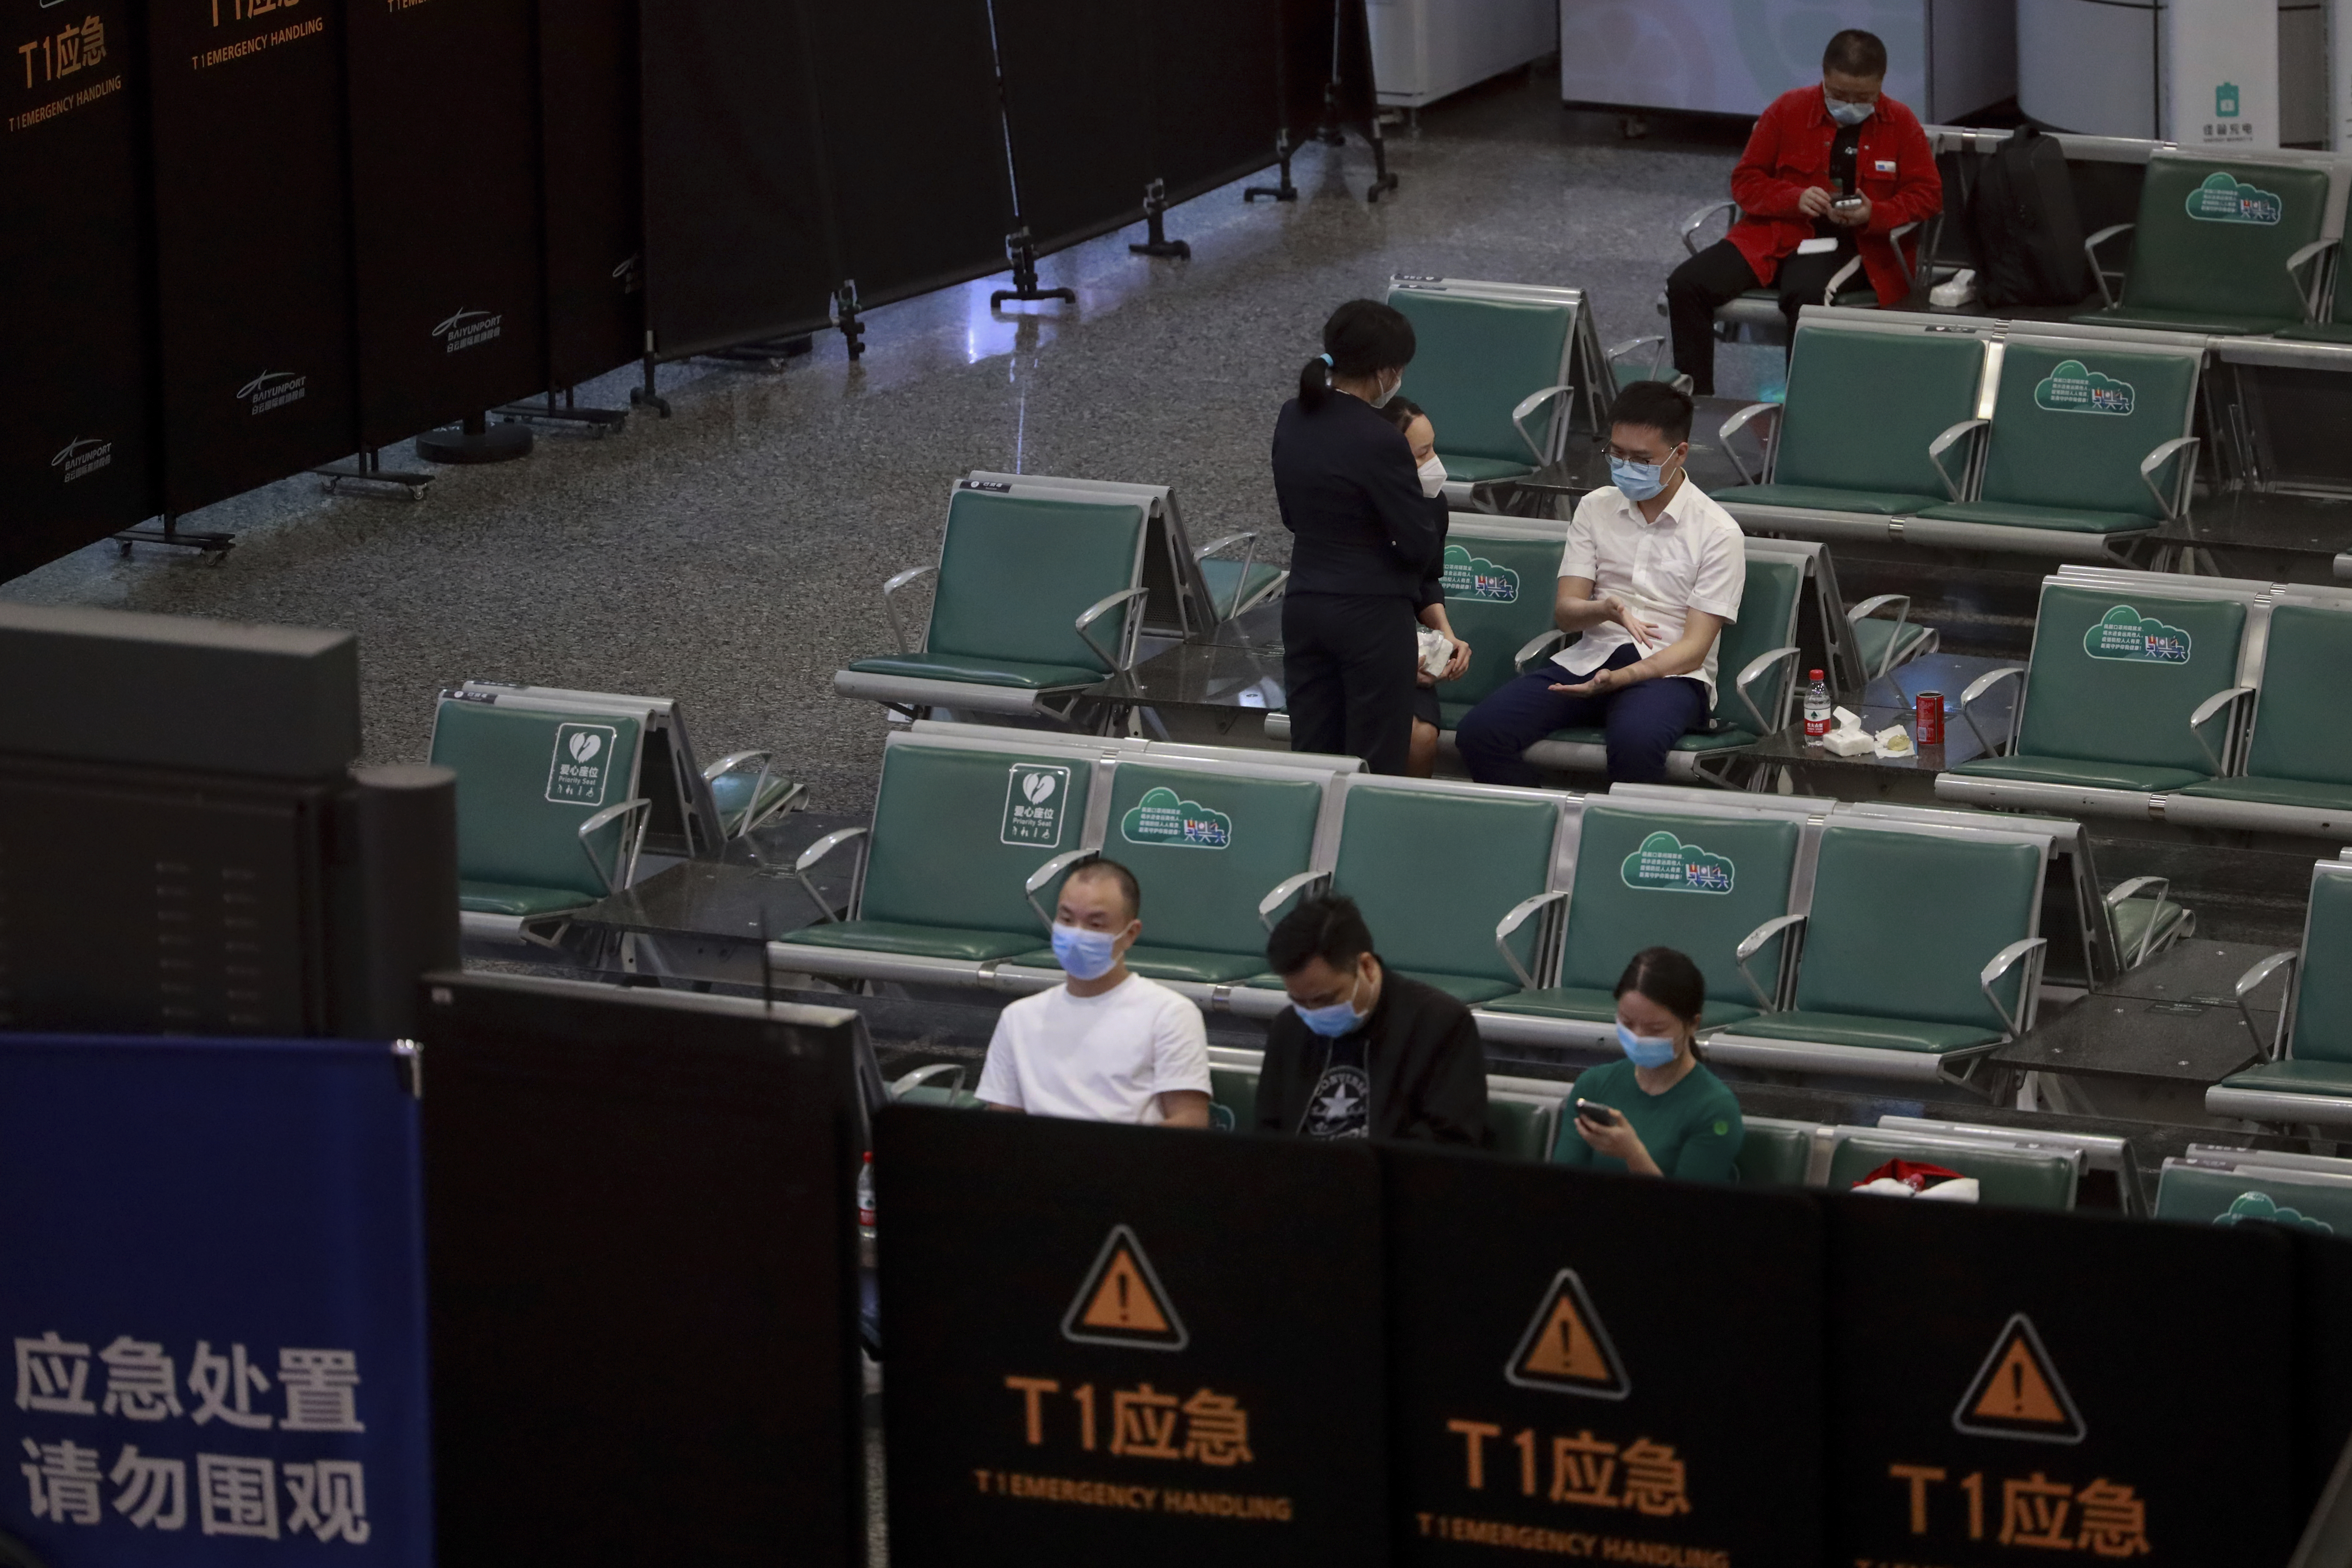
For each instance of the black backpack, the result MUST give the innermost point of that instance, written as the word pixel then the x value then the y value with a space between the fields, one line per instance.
pixel 2027 235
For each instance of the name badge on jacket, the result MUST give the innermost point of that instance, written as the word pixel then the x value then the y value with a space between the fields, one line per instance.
pixel 1885 165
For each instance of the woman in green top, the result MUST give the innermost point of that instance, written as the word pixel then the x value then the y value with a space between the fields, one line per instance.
pixel 1667 1115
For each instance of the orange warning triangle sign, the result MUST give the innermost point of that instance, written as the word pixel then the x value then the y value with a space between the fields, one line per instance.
pixel 1122 1302
pixel 2017 1393
pixel 1565 1347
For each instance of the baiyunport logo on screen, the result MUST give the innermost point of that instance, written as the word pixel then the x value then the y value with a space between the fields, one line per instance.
pixel 468 329
pixel 274 389
pixel 86 454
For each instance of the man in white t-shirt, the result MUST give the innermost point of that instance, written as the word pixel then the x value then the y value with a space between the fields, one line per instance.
pixel 1651 574
pixel 1105 1045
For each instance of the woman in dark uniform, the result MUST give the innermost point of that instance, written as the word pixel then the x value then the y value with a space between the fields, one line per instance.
pixel 1364 537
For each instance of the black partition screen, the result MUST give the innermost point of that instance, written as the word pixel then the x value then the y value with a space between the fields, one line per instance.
pixel 75 450
pixel 445 167
pixel 253 242
pixel 739 242
pixel 913 223
pixel 1075 76
pixel 594 187
pixel 1216 91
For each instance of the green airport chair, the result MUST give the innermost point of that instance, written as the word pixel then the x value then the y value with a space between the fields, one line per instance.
pixel 1035 599
pixel 960 832
pixel 940 1084
pixel 2256 1188
pixel 2298 770
pixel 1872 416
pixel 2336 327
pixel 1233 1097
pixel 1521 1126
pixel 1696 881
pixel 548 819
pixel 2085 438
pixel 1484 368
pixel 1774 1153
pixel 1920 955
pixel 2307 1079
pixel 1501 582
pixel 1464 907
pixel 1756 313
pixel 1219 849
pixel 1755 677
pixel 2012 1177
pixel 2128 695
pixel 2221 248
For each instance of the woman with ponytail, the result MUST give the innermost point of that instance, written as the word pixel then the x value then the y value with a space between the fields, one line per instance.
pixel 1367 531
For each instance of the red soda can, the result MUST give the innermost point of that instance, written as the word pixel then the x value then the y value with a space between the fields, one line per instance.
pixel 1931 720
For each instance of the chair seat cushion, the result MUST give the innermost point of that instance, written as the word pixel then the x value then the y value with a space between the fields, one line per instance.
pixel 2293 1077
pixel 2055 519
pixel 1170 963
pixel 1483 470
pixel 2318 333
pixel 914 940
pixel 1450 714
pixel 1873 1034
pixel 733 791
pixel 2215 322
pixel 507 898
pixel 1696 741
pixel 1472 990
pixel 1595 1005
pixel 2077 770
pixel 1823 497
pixel 1872 634
pixel 2277 792
pixel 1232 583
pixel 1011 672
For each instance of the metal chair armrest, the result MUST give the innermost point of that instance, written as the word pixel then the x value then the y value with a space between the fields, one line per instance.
pixel 2157 459
pixel 1870 607
pixel 1945 443
pixel 1509 925
pixel 1753 944
pixel 1655 343
pixel 1205 551
pixel 2251 980
pixel 2122 891
pixel 1095 611
pixel 1538 645
pixel 1690 226
pixel 1066 861
pixel 2091 244
pixel 1739 421
pixel 1895 238
pixel 2001 963
pixel 891 605
pixel 1977 688
pixel 1284 891
pixel 1529 404
pixel 931 1074
pixel 1837 279
pixel 727 764
pixel 815 853
pixel 1751 676
pixel 2204 714
pixel 2300 259
pixel 623 851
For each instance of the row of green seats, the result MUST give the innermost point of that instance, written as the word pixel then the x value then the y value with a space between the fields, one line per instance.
pixel 2215 1185
pixel 2306 1079
pixel 2209 702
pixel 2227 246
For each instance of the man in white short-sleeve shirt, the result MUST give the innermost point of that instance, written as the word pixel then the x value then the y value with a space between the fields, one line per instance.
pixel 1651 574
pixel 1106 1045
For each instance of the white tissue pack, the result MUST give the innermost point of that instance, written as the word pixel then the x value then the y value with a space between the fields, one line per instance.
pixel 1847 738
pixel 1436 652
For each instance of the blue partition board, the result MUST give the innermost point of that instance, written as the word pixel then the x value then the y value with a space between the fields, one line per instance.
pixel 212 1287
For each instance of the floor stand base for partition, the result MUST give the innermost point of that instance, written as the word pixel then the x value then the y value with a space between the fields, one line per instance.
pixel 645 397
pixel 1022 251
pixel 1286 191
pixel 1155 213
pixel 845 316
pixel 476 441
pixel 568 412
pixel 212 547
pixel 1382 179
pixel 769 353
pixel 366 476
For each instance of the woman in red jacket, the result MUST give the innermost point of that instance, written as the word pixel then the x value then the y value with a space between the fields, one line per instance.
pixel 1827 173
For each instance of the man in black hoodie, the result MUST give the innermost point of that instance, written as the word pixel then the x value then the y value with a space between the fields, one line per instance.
pixel 1362 1052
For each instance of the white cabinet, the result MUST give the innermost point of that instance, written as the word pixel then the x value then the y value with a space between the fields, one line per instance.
pixel 1425 50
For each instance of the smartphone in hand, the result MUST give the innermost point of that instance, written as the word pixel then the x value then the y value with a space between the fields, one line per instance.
pixel 1600 1115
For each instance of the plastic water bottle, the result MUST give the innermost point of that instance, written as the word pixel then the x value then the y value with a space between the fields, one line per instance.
pixel 1817 709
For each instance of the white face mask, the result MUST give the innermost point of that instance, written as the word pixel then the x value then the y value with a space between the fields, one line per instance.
pixel 1433 476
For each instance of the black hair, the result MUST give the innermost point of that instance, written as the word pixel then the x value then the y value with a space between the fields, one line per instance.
pixel 1400 411
pixel 1129 888
pixel 1325 926
pixel 1361 337
pixel 1656 403
pixel 1856 52
pixel 1668 978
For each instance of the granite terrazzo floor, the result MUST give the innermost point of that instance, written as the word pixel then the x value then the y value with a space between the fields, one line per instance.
pixel 731 556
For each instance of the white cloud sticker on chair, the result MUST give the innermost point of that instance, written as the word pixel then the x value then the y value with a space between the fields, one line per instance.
pixel 1469 576
pixel 2225 198
pixel 2123 633
pixel 1664 863
pixel 2073 387
pixel 1163 816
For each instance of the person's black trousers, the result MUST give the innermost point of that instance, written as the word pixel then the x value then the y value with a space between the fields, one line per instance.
pixel 1718 275
pixel 1347 665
